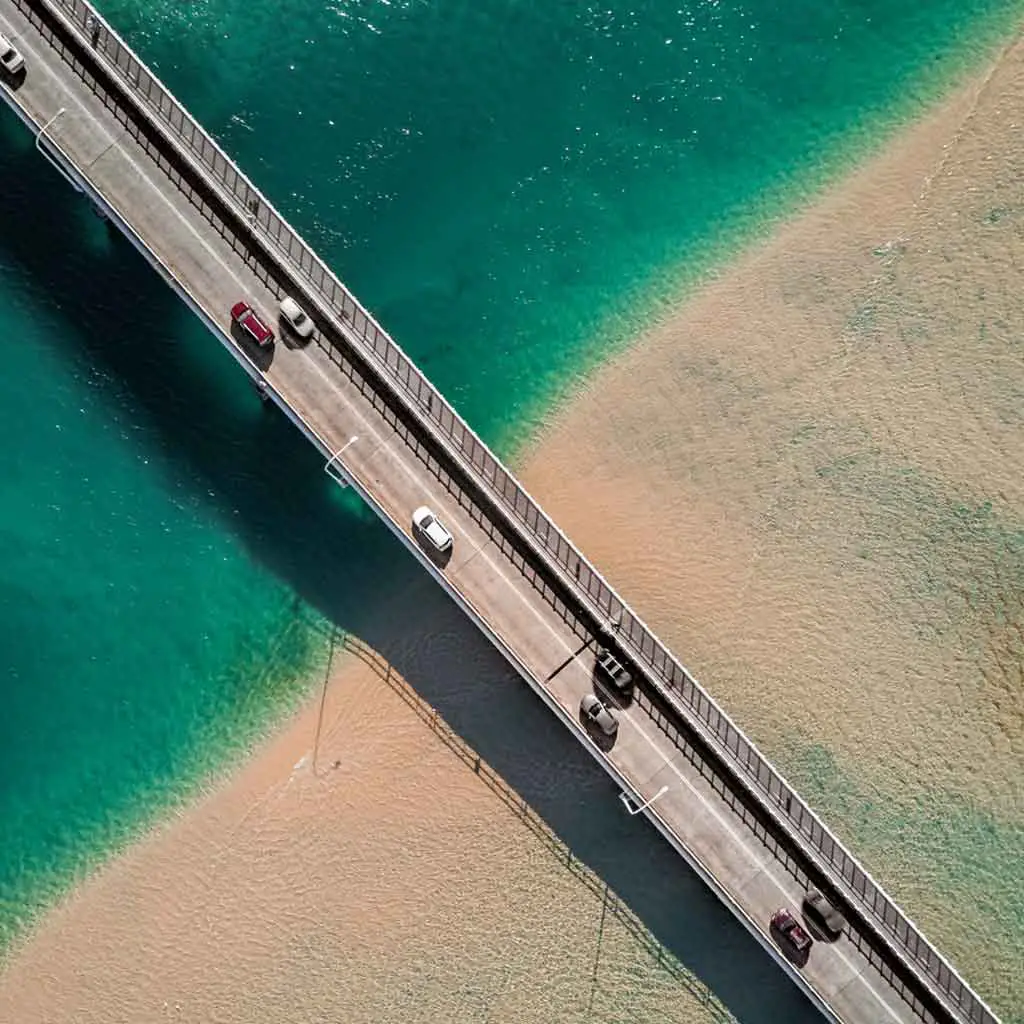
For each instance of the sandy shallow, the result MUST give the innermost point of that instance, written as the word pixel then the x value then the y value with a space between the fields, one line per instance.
pixel 809 480
pixel 366 867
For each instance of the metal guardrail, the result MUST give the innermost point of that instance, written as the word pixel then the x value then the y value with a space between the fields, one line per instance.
pixel 581 579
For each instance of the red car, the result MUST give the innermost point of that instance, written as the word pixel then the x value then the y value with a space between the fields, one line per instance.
pixel 245 316
pixel 794 942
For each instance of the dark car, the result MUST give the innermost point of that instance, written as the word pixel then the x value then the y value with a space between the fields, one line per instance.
pixel 612 673
pixel 822 916
pixel 245 316
pixel 790 936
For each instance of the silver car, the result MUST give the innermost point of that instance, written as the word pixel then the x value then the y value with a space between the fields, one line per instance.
pixel 822 916
pixel 594 712
pixel 10 59
pixel 431 530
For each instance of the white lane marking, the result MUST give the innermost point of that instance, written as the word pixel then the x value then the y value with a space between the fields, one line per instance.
pixel 766 866
pixel 856 972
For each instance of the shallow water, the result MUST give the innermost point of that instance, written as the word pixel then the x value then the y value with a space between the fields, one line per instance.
pixel 499 187
pixel 810 483
pixel 371 866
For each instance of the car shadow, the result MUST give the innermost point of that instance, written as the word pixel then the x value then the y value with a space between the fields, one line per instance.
pixel 612 698
pixel 793 956
pixel 290 340
pixel 263 358
pixel 13 82
pixel 439 558
pixel 599 737
pixel 817 933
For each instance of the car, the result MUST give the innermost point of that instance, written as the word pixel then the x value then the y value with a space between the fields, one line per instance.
pixel 295 318
pixel 793 940
pixel 595 713
pixel 822 916
pixel 10 59
pixel 245 316
pixel 610 671
pixel 432 530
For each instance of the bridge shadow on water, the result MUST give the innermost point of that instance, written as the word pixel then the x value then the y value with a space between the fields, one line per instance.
pixel 267 485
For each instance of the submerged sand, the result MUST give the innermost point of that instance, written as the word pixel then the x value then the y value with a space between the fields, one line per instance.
pixel 809 480
pixel 367 866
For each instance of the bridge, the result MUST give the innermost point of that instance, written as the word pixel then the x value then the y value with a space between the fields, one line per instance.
pixel 117 135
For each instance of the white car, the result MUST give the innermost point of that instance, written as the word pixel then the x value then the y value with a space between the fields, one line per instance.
pixel 295 317
pixel 10 59
pixel 595 713
pixel 430 528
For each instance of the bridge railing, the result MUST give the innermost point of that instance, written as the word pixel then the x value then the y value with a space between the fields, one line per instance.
pixel 677 685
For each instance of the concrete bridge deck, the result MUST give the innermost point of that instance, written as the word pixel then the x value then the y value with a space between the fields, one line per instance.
pixel 180 223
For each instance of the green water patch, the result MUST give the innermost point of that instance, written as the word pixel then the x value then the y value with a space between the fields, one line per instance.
pixel 110 770
pixel 936 851
pixel 517 192
pixel 142 648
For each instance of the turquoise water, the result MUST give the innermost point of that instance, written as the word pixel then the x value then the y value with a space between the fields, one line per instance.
pixel 499 183
pixel 155 526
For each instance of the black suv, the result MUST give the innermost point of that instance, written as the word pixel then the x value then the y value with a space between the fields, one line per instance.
pixel 612 673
